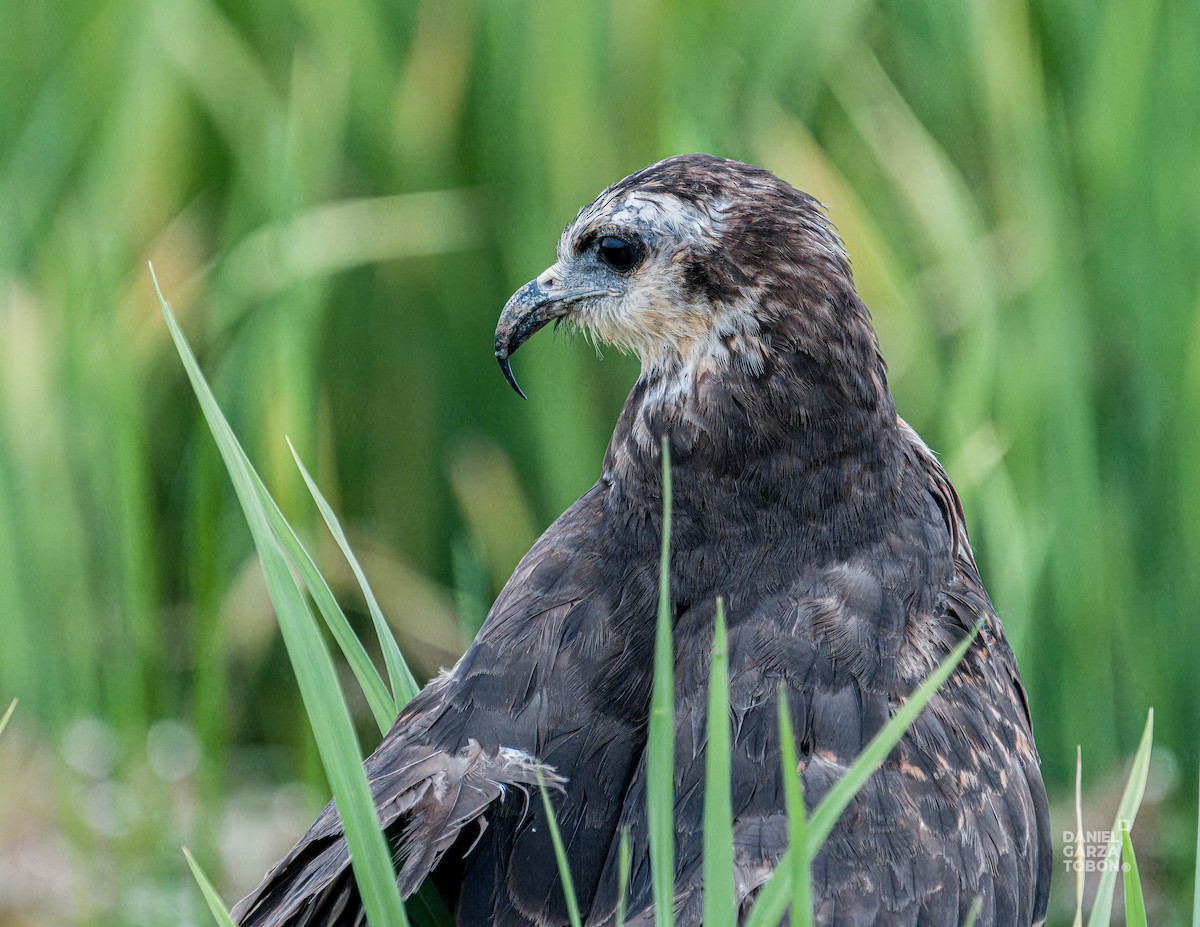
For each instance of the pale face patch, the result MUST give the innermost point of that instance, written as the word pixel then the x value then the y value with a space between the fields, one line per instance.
pixel 651 311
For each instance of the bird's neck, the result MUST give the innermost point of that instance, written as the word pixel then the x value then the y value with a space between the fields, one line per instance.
pixel 816 449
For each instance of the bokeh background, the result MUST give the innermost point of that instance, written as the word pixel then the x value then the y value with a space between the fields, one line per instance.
pixel 338 199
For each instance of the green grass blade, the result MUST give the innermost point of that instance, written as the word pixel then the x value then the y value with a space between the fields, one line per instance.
pixel 380 701
pixel 660 764
pixel 560 854
pixel 719 901
pixel 973 914
pixel 425 908
pixel 7 714
pixel 215 904
pixel 1079 873
pixel 311 662
pixel 1127 811
pixel 776 893
pixel 793 793
pixel 624 859
pixel 404 686
pixel 1135 904
pixel 1195 880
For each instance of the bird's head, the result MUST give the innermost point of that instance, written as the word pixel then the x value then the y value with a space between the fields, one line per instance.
pixel 694 264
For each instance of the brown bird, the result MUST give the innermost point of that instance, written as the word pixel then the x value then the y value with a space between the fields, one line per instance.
pixel 837 541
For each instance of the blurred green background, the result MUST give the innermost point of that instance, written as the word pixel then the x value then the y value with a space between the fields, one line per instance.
pixel 338 199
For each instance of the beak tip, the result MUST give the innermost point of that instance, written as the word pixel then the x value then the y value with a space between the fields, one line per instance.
pixel 506 367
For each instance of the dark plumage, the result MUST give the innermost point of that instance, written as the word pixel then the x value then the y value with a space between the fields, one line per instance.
pixel 835 537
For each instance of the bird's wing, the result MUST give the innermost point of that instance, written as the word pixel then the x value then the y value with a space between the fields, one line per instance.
pixel 553 656
pixel 434 793
pixel 957 812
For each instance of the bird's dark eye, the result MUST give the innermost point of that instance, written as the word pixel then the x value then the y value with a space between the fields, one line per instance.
pixel 619 254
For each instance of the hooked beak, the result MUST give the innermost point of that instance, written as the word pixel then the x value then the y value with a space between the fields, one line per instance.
pixel 529 309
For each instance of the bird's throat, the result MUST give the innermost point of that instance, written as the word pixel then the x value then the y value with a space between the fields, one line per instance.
pixel 788 445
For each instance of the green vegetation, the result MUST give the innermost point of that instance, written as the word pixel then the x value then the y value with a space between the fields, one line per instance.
pixel 312 663
pixel 1135 904
pixel 560 856
pixel 1131 800
pixel 660 733
pixel 211 897
pixel 719 896
pixel 340 198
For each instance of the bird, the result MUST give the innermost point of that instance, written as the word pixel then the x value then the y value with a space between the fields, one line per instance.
pixel 839 547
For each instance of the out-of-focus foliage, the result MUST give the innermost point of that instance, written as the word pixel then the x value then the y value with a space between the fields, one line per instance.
pixel 338 199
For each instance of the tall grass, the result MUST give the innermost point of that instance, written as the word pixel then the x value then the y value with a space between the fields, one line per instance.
pixel 344 196
pixel 279 553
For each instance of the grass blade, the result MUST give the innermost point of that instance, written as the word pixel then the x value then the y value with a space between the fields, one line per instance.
pixel 1127 810
pixel 719 901
pixel 1135 904
pixel 793 793
pixel 1079 874
pixel 311 662
pixel 560 854
pixel 215 904
pixel 1195 881
pixel 973 914
pixel 7 714
pixel 624 859
pixel 404 686
pixel 425 908
pixel 775 895
pixel 380 701
pixel 660 763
